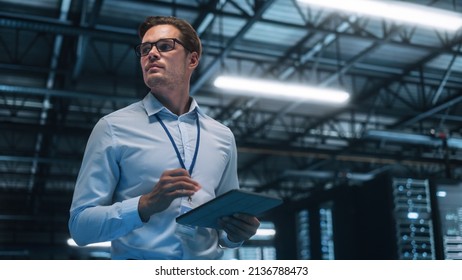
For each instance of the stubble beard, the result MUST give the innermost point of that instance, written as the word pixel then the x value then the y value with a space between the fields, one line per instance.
pixel 159 84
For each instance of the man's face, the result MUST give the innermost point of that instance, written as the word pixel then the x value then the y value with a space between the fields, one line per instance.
pixel 166 70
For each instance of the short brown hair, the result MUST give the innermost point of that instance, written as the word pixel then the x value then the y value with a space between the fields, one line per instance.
pixel 188 35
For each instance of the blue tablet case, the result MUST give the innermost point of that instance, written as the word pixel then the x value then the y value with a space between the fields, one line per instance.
pixel 227 204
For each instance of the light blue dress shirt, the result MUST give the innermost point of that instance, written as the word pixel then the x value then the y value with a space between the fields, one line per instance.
pixel 126 154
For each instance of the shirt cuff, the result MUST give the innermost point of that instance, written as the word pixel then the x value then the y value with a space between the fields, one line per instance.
pixel 130 211
pixel 226 243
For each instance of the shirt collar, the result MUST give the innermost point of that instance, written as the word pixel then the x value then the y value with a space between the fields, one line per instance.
pixel 153 106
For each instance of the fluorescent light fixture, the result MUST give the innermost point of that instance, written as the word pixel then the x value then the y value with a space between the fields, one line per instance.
pixel 72 243
pixel 397 11
pixel 279 90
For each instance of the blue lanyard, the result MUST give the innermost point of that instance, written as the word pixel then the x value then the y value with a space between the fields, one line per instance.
pixel 193 162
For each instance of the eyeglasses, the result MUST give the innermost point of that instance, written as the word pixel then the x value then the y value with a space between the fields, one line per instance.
pixel 162 45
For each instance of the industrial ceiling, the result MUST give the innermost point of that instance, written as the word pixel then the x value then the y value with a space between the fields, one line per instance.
pixel 66 63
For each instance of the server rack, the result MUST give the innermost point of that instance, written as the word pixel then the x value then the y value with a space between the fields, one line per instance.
pixel 447 202
pixel 412 212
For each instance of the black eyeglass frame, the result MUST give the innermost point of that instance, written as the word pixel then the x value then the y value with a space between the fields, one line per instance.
pixel 152 44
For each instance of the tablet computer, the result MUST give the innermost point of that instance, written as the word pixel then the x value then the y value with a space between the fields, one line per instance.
pixel 227 204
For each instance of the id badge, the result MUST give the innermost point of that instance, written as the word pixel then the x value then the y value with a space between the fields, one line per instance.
pixel 185 231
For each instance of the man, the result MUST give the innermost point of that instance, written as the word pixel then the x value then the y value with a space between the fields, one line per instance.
pixel 149 162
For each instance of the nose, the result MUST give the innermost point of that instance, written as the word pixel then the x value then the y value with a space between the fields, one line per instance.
pixel 153 54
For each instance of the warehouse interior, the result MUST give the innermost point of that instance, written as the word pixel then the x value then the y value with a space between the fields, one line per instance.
pixel 339 168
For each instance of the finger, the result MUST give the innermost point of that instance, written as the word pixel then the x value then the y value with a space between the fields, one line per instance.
pixel 169 175
pixel 248 219
pixel 176 172
pixel 183 193
pixel 183 188
pixel 185 179
pixel 234 233
pixel 171 184
pixel 238 228
pixel 184 184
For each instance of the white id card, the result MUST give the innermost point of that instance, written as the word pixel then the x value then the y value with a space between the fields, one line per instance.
pixel 185 231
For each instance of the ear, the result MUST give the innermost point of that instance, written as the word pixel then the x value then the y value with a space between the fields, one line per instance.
pixel 193 60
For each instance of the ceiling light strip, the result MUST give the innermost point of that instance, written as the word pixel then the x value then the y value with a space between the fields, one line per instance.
pixel 279 90
pixel 398 11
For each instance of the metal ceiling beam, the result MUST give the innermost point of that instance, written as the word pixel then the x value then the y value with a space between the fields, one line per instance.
pixel 445 79
pixel 206 16
pixel 67 28
pixel 428 113
pixel 212 66
pixel 64 93
pixel 355 59
pixel 82 40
